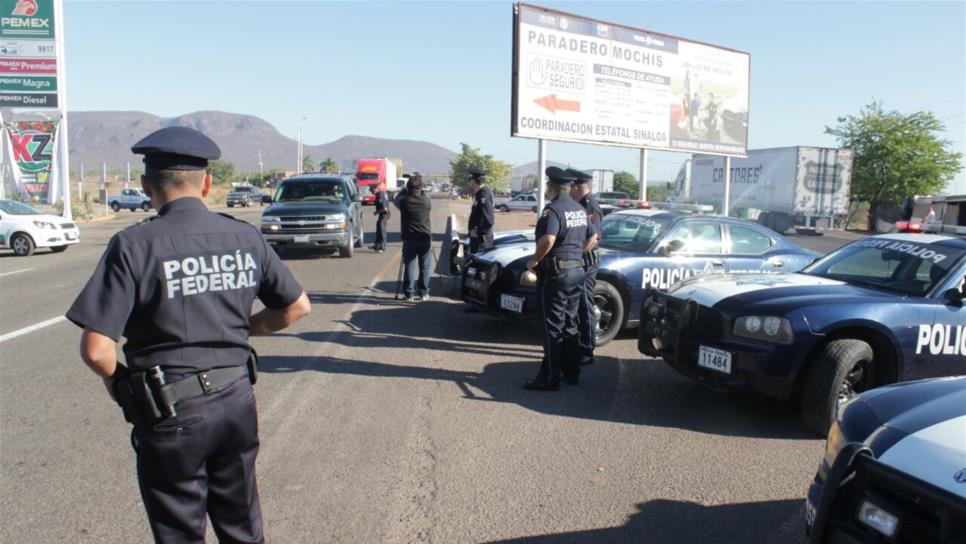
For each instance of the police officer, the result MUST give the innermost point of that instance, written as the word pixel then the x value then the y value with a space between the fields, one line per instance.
pixel 586 315
pixel 179 288
pixel 382 221
pixel 481 214
pixel 563 235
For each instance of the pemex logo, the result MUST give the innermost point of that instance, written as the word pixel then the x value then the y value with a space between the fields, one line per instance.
pixel 25 7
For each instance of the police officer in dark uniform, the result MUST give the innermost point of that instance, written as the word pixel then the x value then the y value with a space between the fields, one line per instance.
pixel 481 214
pixel 587 315
pixel 179 288
pixel 563 235
pixel 382 221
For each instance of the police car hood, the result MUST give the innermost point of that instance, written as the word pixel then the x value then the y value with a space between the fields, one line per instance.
pixel 931 415
pixel 303 208
pixel 505 254
pixel 773 291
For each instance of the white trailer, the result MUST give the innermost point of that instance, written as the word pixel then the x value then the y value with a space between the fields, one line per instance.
pixel 780 187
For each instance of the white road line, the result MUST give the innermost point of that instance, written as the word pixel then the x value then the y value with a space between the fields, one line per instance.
pixel 32 328
pixel 2 274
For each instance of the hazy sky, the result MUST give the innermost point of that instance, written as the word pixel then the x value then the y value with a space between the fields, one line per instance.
pixel 440 71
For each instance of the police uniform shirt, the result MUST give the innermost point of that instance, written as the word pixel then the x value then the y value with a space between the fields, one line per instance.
pixel 481 216
pixel 567 220
pixel 594 214
pixel 180 289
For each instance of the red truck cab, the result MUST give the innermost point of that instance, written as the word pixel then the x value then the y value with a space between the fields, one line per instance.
pixel 371 173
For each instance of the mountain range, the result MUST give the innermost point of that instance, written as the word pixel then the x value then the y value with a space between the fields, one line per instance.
pixel 106 137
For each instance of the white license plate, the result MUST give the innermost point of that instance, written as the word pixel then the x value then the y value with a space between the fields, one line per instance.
pixel 302 239
pixel 68 236
pixel 514 304
pixel 715 359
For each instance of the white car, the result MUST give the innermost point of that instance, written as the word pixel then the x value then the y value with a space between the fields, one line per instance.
pixel 520 202
pixel 23 229
pixel 131 199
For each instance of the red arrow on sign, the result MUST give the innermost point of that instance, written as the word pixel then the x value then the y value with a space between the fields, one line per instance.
pixel 552 103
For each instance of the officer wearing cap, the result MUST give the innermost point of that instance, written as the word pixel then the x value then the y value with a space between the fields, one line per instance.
pixel 481 214
pixel 179 288
pixel 586 315
pixel 563 235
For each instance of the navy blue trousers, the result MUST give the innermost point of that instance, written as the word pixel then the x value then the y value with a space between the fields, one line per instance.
pixel 413 251
pixel 202 463
pixel 382 221
pixel 585 314
pixel 559 299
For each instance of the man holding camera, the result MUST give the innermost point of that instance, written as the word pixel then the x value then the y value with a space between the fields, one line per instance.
pixel 417 237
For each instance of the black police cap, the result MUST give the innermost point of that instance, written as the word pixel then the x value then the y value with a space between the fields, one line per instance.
pixel 476 172
pixel 579 176
pixel 559 176
pixel 177 148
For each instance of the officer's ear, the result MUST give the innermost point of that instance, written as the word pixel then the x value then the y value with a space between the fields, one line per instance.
pixel 206 185
pixel 147 187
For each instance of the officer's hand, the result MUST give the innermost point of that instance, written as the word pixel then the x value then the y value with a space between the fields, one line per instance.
pixel 532 265
pixel 109 384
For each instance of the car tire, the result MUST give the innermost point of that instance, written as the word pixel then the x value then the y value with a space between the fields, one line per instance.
pixel 533 209
pixel 59 249
pixel 347 250
pixel 504 209
pixel 115 206
pixel 230 205
pixel 841 370
pixel 609 302
pixel 22 244
pixel 145 207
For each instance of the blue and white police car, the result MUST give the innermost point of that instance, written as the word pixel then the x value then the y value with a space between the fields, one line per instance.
pixel 640 249
pixel 894 468
pixel 880 310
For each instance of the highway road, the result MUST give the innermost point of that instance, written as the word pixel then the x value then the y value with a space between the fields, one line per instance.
pixel 384 421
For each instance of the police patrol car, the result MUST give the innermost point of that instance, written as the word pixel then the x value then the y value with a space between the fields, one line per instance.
pixel 894 468
pixel 883 309
pixel 640 249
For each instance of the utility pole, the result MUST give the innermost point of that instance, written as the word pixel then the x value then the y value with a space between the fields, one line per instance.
pixel 299 167
pixel 261 168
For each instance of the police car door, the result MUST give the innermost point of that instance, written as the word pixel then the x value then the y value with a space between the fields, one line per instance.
pixel 947 337
pixel 690 248
pixel 750 250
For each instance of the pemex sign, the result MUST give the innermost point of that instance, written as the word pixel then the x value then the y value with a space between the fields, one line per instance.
pixel 27 19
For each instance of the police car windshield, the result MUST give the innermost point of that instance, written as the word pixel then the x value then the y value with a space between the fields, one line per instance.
pixel 632 232
pixel 310 191
pixel 902 267
pixel 16 208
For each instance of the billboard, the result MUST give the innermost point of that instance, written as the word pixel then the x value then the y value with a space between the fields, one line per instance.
pixel 32 152
pixel 583 80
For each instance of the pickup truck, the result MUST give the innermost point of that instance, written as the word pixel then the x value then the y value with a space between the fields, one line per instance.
pixel 315 212
pixel 131 199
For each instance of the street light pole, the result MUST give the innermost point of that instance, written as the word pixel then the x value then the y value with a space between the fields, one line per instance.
pixel 299 167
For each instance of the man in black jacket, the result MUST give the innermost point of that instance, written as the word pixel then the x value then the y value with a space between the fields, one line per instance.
pixel 417 237
pixel 382 221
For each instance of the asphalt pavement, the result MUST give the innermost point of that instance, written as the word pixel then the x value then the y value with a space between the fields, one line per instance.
pixel 385 421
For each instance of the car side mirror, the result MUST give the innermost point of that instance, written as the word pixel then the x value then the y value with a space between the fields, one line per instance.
pixel 954 296
pixel 673 246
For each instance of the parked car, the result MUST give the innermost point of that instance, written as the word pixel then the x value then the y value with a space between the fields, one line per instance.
pixel 619 199
pixel 131 199
pixel 894 468
pixel 525 202
pixel 316 211
pixel 879 310
pixel 640 249
pixel 245 196
pixel 23 229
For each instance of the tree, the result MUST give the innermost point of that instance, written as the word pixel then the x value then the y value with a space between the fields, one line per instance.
pixel 308 164
pixel 626 182
pixel 329 166
pixel 498 172
pixel 895 156
pixel 222 173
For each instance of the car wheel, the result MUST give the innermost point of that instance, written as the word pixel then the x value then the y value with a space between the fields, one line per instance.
pixel 116 207
pixel 22 244
pixel 610 308
pixel 841 370
pixel 59 249
pixel 230 205
pixel 145 206
pixel 347 250
pixel 504 209
pixel 533 209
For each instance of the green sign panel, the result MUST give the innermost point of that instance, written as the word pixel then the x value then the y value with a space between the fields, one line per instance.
pixel 28 83
pixel 27 19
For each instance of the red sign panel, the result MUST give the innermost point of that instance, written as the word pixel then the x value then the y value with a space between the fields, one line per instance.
pixel 28 66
